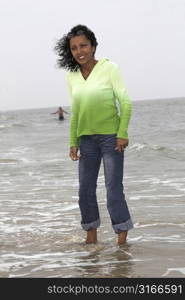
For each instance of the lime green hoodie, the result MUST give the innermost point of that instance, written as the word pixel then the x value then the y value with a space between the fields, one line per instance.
pixel 100 103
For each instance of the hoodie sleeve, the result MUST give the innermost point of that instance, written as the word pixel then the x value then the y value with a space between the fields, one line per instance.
pixel 125 105
pixel 74 140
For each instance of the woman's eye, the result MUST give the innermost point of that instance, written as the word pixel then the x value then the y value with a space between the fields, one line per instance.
pixel 83 45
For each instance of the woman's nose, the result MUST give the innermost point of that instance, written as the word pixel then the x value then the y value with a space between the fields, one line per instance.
pixel 78 50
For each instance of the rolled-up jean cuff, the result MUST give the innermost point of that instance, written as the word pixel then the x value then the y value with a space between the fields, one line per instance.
pixel 123 226
pixel 92 225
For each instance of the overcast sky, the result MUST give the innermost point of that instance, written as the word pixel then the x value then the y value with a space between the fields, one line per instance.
pixel 145 37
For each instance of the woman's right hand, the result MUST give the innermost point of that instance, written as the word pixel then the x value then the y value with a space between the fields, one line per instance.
pixel 73 153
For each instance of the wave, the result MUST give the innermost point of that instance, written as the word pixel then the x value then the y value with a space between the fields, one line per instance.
pixel 138 147
pixel 8 161
pixel 12 125
pixel 138 225
pixel 14 160
pixel 169 270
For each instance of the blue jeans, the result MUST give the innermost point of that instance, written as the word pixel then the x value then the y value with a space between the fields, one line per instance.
pixel 94 148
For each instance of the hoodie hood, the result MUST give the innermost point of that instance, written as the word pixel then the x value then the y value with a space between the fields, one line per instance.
pixel 103 60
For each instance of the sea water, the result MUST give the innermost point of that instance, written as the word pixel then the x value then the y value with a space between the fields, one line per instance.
pixel 40 231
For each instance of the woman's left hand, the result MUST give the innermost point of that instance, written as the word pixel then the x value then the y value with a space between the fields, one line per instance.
pixel 121 144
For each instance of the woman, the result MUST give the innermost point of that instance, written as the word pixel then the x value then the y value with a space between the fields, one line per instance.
pixel 98 128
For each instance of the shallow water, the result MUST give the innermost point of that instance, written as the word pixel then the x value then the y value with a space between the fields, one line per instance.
pixel 40 232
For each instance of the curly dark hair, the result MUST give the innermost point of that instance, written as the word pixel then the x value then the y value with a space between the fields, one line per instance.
pixel 62 47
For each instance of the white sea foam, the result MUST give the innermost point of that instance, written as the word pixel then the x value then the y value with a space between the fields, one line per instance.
pixel 160 224
pixel 20 275
pixel 139 146
pixel 26 160
pixel 169 239
pixel 137 238
pixel 70 207
pixel 33 256
pixel 169 270
pixel 46 267
pixel 19 150
pixel 158 196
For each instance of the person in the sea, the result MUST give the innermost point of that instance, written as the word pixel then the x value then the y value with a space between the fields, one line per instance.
pixel 97 128
pixel 60 113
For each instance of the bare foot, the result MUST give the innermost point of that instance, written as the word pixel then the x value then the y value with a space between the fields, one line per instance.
pixel 91 236
pixel 122 236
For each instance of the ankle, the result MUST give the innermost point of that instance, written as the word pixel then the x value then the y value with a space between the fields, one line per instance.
pixel 91 236
pixel 122 236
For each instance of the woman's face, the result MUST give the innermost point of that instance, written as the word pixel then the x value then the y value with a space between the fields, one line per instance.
pixel 81 49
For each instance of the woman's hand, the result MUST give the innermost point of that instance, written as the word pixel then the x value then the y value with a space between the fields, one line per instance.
pixel 73 153
pixel 121 144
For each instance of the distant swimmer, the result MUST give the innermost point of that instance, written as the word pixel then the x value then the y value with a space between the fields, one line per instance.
pixel 60 113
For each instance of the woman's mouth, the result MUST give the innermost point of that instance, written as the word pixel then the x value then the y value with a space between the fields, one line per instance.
pixel 81 57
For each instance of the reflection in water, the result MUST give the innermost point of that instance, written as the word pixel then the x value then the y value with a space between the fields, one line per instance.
pixel 104 260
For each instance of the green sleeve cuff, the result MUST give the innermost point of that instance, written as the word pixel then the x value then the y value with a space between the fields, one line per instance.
pixel 122 134
pixel 75 143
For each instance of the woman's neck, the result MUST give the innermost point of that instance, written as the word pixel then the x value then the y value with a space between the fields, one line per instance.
pixel 88 66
